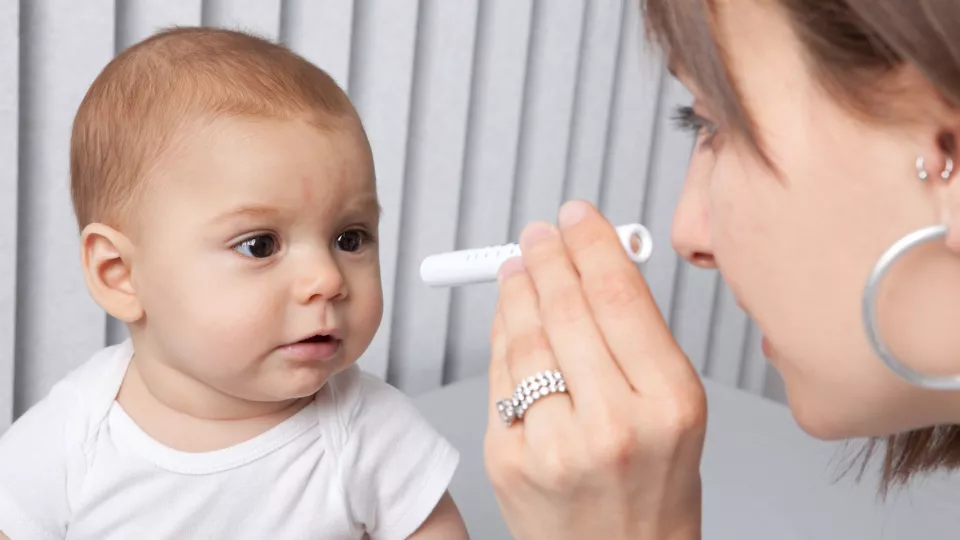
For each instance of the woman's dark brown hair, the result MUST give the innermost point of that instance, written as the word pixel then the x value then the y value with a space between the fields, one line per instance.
pixel 854 49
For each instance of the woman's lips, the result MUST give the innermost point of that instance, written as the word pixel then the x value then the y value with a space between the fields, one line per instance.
pixel 767 347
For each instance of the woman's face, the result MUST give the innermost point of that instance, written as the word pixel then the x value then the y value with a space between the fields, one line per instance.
pixel 797 248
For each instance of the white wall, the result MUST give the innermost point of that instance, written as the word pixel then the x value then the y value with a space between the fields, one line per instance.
pixel 483 115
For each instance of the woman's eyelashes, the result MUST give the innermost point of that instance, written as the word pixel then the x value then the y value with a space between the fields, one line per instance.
pixel 687 119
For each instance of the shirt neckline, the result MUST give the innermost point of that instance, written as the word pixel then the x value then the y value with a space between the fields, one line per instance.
pixel 124 428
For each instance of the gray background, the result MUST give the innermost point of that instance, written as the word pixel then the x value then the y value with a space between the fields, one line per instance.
pixel 483 115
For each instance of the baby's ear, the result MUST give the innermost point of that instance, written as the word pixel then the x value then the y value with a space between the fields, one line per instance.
pixel 107 258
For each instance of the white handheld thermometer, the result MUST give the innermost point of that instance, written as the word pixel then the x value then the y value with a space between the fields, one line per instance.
pixel 479 265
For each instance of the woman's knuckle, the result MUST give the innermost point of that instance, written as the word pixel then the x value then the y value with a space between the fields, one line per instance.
pixel 616 447
pixel 589 239
pixel 616 290
pixel 527 345
pixel 684 413
pixel 565 305
pixel 496 331
pixel 558 469
pixel 503 468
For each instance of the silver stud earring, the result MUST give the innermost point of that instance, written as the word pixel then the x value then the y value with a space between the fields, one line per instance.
pixel 948 169
pixel 921 170
pixel 922 173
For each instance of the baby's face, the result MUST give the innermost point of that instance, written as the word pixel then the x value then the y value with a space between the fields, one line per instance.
pixel 256 258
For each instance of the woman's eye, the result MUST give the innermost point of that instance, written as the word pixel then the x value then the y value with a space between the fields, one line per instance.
pixel 351 241
pixel 258 247
pixel 687 119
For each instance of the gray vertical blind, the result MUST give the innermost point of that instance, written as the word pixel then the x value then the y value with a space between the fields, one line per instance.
pixel 9 169
pixel 483 116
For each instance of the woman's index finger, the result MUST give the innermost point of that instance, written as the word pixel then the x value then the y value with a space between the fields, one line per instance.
pixel 620 299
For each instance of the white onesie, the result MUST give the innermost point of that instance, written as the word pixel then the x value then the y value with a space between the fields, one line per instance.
pixel 359 459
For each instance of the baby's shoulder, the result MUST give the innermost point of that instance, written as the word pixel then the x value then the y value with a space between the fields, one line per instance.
pixel 393 465
pixel 103 372
pixel 45 453
pixel 96 382
pixel 356 400
pixel 82 398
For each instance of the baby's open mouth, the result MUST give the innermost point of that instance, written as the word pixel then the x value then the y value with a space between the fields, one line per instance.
pixel 319 338
pixel 316 348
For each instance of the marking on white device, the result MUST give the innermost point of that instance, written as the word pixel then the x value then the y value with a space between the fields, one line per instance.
pixel 480 265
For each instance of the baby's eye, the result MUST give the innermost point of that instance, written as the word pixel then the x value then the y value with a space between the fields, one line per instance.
pixel 258 247
pixel 353 240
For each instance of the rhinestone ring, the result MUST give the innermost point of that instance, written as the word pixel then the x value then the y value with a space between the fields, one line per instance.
pixel 529 391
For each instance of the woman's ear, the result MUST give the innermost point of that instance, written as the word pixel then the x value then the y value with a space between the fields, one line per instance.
pixel 949 188
pixel 953 215
pixel 107 259
pixel 941 163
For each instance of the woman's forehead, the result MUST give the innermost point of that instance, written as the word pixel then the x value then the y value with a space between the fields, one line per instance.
pixel 730 55
pixel 699 34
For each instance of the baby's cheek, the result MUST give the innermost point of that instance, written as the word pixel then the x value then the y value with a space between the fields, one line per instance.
pixel 231 317
pixel 239 317
pixel 367 310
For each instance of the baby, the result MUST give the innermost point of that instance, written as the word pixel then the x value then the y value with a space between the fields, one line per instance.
pixel 227 200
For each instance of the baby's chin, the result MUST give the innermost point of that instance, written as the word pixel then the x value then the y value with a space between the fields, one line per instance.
pixel 299 382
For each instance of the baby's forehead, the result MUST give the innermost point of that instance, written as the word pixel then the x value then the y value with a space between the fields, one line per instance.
pixel 162 91
pixel 289 163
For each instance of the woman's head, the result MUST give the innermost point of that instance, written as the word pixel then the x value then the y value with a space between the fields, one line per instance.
pixel 811 114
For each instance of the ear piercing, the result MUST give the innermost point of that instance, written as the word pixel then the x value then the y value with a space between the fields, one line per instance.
pixel 922 173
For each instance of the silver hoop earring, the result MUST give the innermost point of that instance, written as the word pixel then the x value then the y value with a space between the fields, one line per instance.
pixel 870 292
pixel 945 174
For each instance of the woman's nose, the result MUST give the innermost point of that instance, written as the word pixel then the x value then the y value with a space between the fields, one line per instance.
pixel 691 223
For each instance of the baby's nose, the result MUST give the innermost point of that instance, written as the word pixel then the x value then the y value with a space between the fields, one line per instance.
pixel 322 280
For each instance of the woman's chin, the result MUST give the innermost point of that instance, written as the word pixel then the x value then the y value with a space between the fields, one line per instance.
pixel 818 427
pixel 817 415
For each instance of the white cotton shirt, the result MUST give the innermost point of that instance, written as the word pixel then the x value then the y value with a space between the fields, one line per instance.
pixel 359 459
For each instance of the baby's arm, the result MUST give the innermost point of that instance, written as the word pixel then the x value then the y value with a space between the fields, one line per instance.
pixel 34 477
pixel 444 523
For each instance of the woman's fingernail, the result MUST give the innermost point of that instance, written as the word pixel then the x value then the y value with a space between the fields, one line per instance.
pixel 571 213
pixel 510 267
pixel 536 232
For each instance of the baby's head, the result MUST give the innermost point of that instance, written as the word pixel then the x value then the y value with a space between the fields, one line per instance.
pixel 226 194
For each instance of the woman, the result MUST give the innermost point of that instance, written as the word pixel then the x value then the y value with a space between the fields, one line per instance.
pixel 827 131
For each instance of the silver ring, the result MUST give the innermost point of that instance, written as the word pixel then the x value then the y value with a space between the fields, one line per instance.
pixel 528 392
pixel 870 292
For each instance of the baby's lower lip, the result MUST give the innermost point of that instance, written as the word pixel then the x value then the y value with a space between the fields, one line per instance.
pixel 313 351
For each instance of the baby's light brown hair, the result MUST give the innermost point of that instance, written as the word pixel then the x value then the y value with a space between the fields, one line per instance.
pixel 147 96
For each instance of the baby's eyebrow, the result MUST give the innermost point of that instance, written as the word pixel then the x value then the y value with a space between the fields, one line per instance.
pixel 248 211
pixel 365 203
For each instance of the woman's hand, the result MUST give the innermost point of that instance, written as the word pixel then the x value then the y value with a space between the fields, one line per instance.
pixel 618 456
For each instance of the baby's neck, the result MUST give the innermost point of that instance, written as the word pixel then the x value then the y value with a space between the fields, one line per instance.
pixel 187 415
